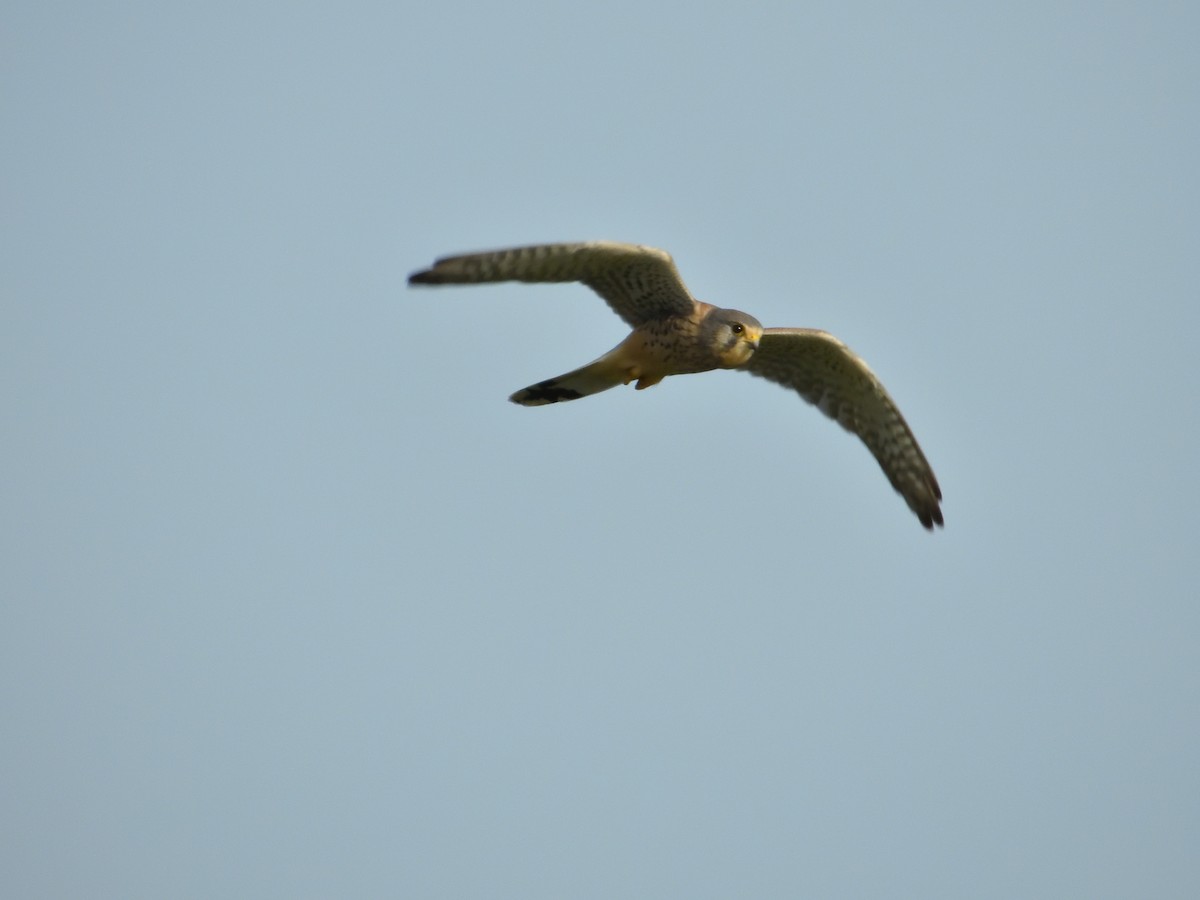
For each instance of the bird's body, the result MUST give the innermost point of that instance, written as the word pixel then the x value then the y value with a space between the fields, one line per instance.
pixel 675 334
pixel 672 346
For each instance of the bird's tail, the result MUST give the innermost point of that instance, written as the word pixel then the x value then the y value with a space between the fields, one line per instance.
pixel 593 378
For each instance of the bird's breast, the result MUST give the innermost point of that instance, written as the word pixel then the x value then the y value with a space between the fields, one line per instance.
pixel 669 347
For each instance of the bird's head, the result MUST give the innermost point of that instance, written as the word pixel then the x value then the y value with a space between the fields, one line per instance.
pixel 733 336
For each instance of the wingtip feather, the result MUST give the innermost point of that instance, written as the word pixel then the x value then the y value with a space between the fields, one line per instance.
pixel 931 517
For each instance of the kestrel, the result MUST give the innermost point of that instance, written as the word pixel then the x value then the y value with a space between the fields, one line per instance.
pixel 676 334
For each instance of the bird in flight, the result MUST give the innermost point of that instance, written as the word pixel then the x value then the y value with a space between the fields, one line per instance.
pixel 676 334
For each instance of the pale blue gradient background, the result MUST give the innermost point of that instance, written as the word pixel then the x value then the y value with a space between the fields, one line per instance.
pixel 294 603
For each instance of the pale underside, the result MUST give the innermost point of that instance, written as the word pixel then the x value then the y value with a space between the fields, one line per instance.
pixel 644 288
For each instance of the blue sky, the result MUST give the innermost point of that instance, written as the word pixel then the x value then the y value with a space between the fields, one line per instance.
pixel 296 604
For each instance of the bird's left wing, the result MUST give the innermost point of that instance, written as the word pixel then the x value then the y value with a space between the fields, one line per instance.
pixel 640 283
pixel 829 375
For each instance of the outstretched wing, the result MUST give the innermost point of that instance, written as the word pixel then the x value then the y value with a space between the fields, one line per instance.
pixel 641 284
pixel 828 374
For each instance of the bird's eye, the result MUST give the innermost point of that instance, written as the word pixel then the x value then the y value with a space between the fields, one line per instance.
pixel 737 328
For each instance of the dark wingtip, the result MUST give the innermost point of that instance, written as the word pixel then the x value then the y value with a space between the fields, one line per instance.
pixel 425 276
pixel 931 517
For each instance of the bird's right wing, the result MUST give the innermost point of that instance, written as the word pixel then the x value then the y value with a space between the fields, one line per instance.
pixel 641 284
pixel 829 375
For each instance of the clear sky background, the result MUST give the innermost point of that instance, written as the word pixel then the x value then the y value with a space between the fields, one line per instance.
pixel 294 603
